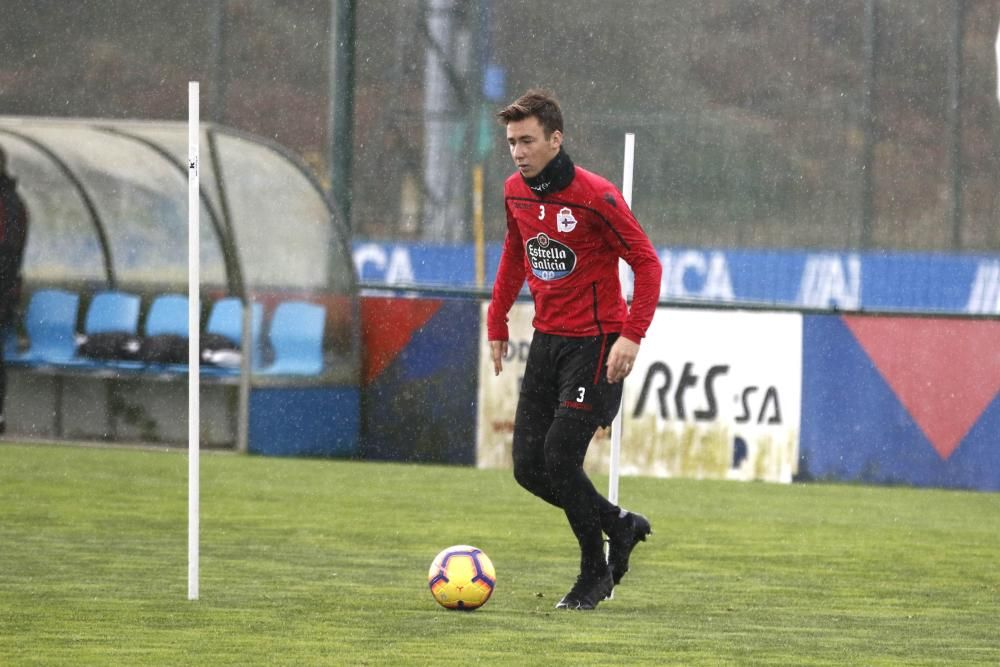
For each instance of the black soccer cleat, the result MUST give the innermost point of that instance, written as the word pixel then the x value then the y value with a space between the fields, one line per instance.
pixel 632 529
pixel 588 591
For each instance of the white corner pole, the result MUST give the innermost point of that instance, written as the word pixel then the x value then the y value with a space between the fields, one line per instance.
pixel 616 424
pixel 194 339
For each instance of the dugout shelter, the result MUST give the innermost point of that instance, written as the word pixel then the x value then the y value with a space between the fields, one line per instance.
pixel 108 252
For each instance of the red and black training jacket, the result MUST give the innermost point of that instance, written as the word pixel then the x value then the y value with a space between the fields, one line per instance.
pixel 567 244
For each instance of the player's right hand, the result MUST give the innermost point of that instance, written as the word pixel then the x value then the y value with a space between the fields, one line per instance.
pixel 498 350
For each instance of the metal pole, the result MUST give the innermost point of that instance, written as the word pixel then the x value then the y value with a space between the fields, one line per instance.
pixel 447 103
pixel 478 232
pixel 955 120
pixel 995 226
pixel 194 358
pixel 217 93
pixel 249 350
pixel 341 109
pixel 438 120
pixel 868 124
pixel 616 424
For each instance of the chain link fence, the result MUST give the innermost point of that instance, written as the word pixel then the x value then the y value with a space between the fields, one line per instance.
pixel 759 123
pixel 838 124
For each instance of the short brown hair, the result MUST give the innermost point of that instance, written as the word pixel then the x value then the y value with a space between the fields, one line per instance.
pixel 538 103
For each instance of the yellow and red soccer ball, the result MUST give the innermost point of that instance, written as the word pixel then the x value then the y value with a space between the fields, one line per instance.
pixel 462 577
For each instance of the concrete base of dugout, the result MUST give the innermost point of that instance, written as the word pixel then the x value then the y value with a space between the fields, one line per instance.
pixel 116 408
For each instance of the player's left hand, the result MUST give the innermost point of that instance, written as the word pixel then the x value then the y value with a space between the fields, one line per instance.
pixel 621 359
pixel 498 350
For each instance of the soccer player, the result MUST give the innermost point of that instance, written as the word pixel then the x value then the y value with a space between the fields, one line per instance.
pixel 566 229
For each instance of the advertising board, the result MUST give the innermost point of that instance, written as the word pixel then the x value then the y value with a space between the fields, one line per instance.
pixel 713 395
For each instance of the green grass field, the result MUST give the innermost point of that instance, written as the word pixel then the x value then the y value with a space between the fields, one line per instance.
pixel 307 562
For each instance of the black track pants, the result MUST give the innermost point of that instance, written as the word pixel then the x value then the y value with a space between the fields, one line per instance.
pixel 550 445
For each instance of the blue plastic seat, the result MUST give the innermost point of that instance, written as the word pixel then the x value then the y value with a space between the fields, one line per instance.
pixel 168 315
pixel 226 319
pixel 112 312
pixel 296 338
pixel 50 323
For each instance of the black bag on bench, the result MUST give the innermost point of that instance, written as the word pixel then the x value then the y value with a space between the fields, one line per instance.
pixel 164 349
pixel 110 345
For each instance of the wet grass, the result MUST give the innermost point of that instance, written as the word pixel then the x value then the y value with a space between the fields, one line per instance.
pixel 307 562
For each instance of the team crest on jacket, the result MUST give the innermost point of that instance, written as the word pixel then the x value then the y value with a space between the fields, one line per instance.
pixel 565 222
pixel 549 259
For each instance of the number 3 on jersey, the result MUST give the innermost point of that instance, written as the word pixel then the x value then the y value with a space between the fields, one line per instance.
pixel 581 392
pixel 541 211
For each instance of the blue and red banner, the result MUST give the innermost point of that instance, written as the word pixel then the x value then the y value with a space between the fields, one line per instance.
pixel 419 379
pixel 901 400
